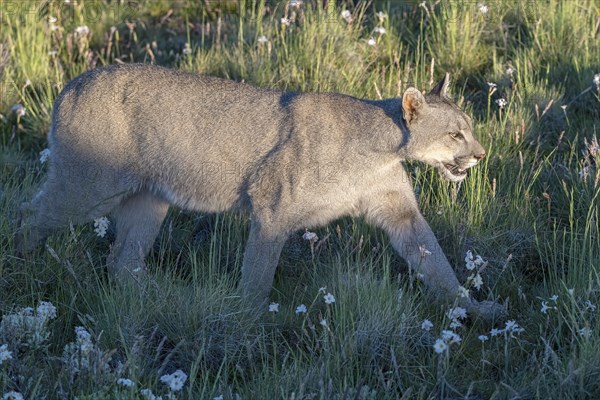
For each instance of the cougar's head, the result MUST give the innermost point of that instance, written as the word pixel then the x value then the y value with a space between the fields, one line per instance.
pixel 441 134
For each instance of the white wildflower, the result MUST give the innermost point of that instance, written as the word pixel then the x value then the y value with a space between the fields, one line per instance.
pixel 424 251
pixel 262 39
pixel 585 332
pixel 52 19
pixel 329 298
pixel 440 346
pixel 554 297
pixel 323 322
pixel 46 310
pixel 479 261
pixel 426 325
pixel 44 154
pixel 82 30
pixel 457 313
pixel 502 103
pixel 285 21
pixel 596 81
pixel 545 308
pixel 492 85
pixel 483 338
pixel 455 324
pixel 512 327
pixel 322 289
pixel 187 49
pixel 347 15
pixel 310 236
pixel 571 291
pixel 439 212
pixel 101 226
pixel 5 355
pixel 477 281
pixel 470 265
pixel 380 29
pixel 510 71
pixel 18 109
pixel 301 309
pixel 496 332
pixel 12 395
pixel 175 381
pixel 381 15
pixel 463 291
pixel 590 306
pixel 451 337
pixel 274 307
pixel 125 382
pixel 482 8
pixel 371 42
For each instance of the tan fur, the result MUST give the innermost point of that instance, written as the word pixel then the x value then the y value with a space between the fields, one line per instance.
pixel 134 139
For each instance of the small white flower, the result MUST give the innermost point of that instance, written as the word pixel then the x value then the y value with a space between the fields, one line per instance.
pixel 483 338
pixel 82 30
pixel 590 306
pixel 457 313
pixel 512 327
pixel 571 291
pixel 455 324
pixel 554 297
pixel 301 309
pixel 371 42
pixel 347 15
pixel 470 265
pixel 502 103
pixel 322 289
pixel 5 355
pixel 18 109
pixel 479 261
pixel 482 8
pixel 53 53
pixel 285 21
pixel 52 19
pixel 596 80
pixel 46 310
pixel 477 282
pixel 439 212
pixel 323 322
pixel 125 382
pixel 510 71
pixel 440 346
pixel 451 337
pixel 424 251
pixel 12 395
pixel 463 292
pixel 380 30
pixel 545 308
pixel 274 307
pixel 492 85
pixel 423 4
pixel 381 15
pixel 101 226
pixel 329 298
pixel 175 381
pixel 310 236
pixel 496 332
pixel 262 39
pixel 585 332
pixel 187 49
pixel 426 325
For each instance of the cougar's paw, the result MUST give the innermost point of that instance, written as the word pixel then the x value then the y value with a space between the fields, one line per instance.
pixel 488 310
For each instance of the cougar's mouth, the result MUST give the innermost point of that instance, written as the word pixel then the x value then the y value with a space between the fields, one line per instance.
pixel 454 172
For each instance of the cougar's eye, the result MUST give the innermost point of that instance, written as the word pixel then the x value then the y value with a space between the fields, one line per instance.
pixel 457 136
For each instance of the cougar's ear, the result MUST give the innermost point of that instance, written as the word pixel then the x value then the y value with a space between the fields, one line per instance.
pixel 441 89
pixel 413 105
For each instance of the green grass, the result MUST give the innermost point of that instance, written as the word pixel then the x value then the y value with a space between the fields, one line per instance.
pixel 530 209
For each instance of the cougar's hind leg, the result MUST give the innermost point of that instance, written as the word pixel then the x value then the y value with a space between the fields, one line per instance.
pixel 138 219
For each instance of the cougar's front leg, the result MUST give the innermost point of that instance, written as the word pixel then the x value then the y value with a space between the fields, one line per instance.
pixel 413 239
pixel 260 260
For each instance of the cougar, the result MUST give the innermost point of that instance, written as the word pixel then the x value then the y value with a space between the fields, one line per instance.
pixel 132 140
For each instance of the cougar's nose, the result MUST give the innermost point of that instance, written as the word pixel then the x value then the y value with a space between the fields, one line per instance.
pixel 480 156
